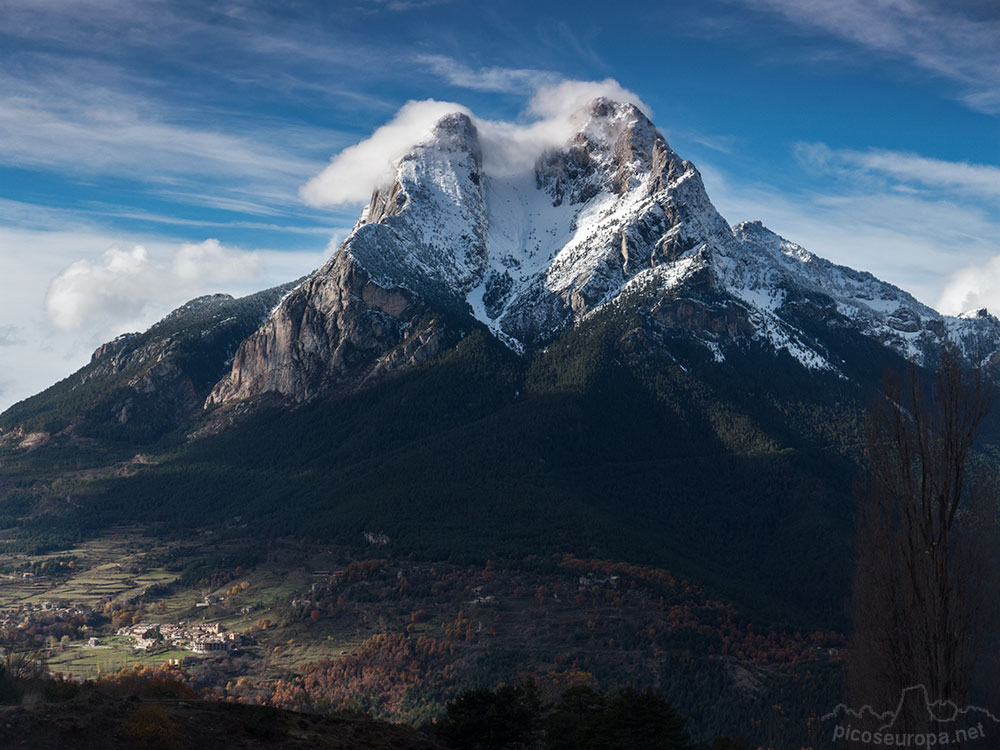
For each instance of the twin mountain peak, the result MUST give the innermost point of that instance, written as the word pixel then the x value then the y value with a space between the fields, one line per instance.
pixel 613 217
pixel 466 233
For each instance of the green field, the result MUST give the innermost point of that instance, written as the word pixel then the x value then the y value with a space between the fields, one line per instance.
pixel 120 567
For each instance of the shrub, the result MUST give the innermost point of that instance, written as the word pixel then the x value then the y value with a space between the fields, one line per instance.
pixel 263 722
pixel 59 689
pixel 150 727
pixel 147 682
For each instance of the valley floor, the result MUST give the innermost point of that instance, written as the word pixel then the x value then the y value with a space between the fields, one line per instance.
pixel 317 628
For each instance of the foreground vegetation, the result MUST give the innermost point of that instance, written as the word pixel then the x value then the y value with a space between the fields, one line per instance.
pixel 158 708
pixel 324 628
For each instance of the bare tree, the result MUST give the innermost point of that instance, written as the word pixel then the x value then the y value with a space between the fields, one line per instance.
pixel 920 601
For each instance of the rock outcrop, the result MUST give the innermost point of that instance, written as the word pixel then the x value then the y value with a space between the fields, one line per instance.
pixel 142 385
pixel 337 330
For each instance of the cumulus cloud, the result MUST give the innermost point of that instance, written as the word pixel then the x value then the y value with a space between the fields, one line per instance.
pixel 972 288
pixel 36 352
pixel 553 114
pixel 550 118
pixel 128 283
pixel 561 100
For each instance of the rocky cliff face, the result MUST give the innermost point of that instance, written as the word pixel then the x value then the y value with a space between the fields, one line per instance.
pixel 611 216
pixel 141 385
pixel 337 330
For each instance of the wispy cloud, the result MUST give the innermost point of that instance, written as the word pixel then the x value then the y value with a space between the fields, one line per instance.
pixel 404 5
pixel 62 123
pixel 935 36
pixel 725 144
pixel 495 79
pixel 166 219
pixel 976 180
pixel 153 93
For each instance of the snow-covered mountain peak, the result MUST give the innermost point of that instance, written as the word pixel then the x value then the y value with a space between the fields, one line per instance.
pixel 611 216
pixel 531 253
pixel 977 314
pixel 793 264
pixel 425 230
pixel 607 121
pixel 613 147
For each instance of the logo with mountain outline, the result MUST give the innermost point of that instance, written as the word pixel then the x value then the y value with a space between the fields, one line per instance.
pixel 951 722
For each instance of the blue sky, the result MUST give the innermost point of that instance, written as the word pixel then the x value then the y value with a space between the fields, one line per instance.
pixel 152 151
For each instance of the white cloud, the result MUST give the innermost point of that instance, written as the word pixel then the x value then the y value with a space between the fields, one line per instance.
pixel 126 284
pixel 550 119
pixel 562 100
pixel 37 352
pixel 973 287
pixel 496 79
pixel 937 37
pixel 71 125
pixel 80 119
pixel 402 5
pixel 553 114
pixel 352 174
pixel 978 180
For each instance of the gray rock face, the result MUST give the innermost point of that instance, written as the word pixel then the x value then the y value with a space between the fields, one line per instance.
pixel 335 331
pixel 113 347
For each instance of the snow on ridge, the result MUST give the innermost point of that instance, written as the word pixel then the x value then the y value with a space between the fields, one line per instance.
pixel 874 307
pixel 613 211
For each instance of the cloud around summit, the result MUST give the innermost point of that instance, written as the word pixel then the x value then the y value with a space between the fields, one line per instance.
pixel 547 121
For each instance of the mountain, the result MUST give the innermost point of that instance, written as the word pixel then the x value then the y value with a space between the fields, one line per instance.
pixel 612 215
pixel 580 357
pixel 142 385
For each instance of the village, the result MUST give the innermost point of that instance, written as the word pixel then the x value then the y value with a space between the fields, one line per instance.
pixel 146 637
pixel 201 638
pixel 23 612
